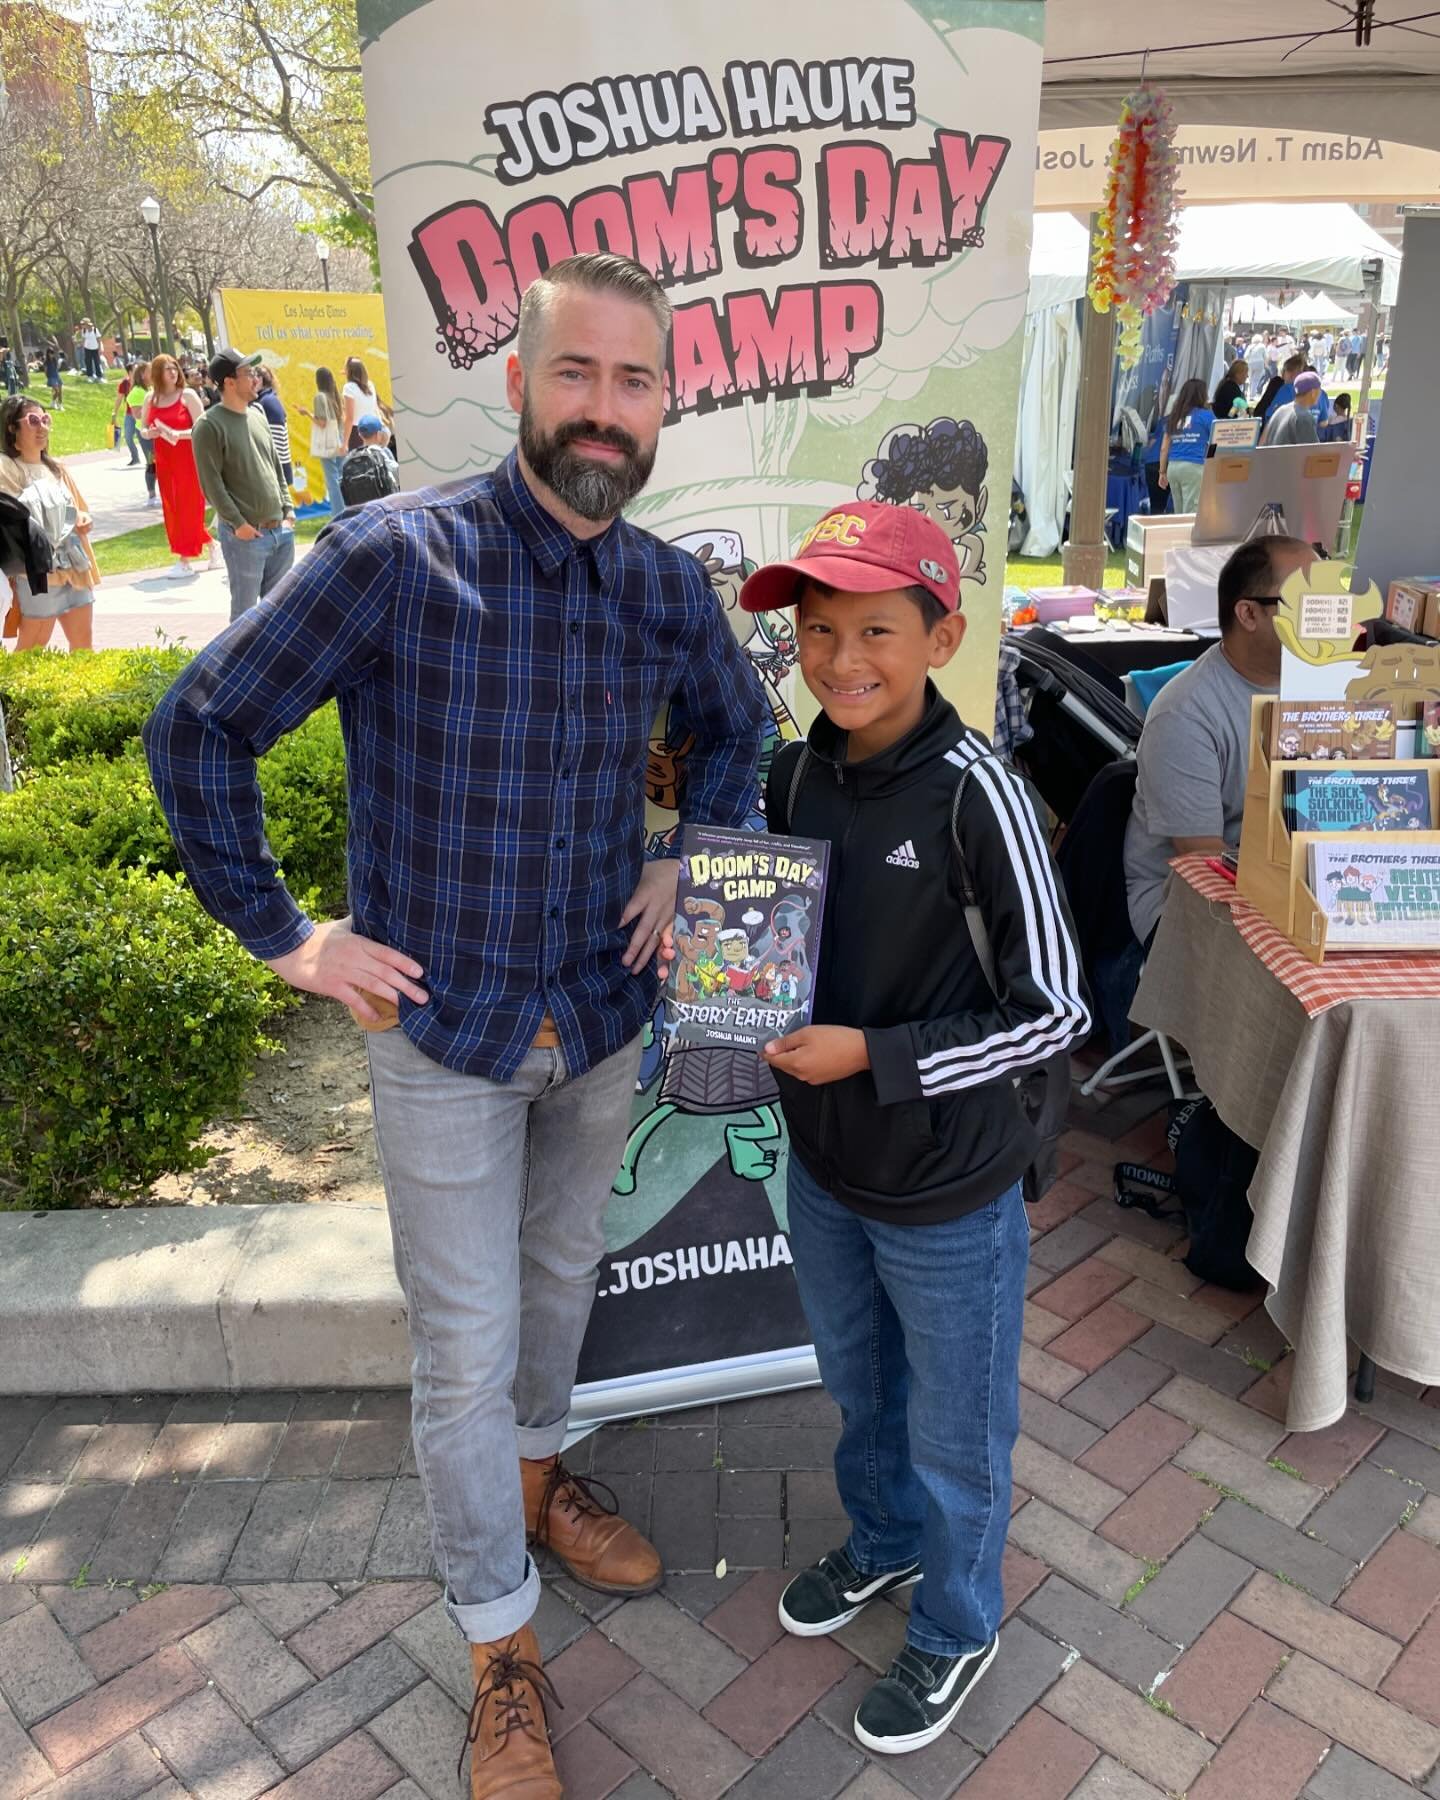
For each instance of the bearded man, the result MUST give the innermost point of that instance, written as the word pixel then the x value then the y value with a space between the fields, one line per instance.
pixel 499 648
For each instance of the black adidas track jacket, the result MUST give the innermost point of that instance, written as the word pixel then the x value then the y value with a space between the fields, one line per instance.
pixel 934 1128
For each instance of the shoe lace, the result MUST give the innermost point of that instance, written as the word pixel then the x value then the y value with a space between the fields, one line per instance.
pixel 508 1681
pixel 576 1496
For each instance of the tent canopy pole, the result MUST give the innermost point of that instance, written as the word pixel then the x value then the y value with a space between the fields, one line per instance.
pixel 1086 548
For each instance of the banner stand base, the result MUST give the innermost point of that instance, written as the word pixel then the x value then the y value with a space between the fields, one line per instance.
pixel 701 1384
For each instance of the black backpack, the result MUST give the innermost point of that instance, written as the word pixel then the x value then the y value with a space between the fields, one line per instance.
pixel 1213 1172
pixel 368 473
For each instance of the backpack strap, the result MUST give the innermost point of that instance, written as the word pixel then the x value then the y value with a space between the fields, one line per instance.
pixel 803 759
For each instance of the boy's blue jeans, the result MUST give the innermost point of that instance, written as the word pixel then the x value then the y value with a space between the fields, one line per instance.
pixel 917 1330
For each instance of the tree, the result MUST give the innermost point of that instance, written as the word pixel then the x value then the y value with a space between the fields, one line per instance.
pixel 28 219
pixel 273 84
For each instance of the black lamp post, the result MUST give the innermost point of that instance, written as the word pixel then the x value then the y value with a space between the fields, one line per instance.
pixel 150 213
pixel 322 250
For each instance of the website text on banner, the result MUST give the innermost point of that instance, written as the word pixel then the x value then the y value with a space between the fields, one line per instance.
pixel 838 199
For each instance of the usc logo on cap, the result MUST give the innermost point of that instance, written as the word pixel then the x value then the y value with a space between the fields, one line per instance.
pixel 835 528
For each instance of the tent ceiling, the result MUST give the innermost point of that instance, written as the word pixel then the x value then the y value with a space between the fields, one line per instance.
pixel 1218 75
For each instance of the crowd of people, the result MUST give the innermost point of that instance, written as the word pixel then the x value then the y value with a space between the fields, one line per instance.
pixel 159 419
pixel 1268 378
pixel 1321 349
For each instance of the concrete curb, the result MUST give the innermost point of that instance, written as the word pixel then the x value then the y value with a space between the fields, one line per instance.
pixel 175 1299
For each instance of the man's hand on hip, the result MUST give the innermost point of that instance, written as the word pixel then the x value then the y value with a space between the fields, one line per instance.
pixel 246 531
pixel 340 964
pixel 651 910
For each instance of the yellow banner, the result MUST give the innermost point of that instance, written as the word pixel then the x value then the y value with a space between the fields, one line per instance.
pixel 299 332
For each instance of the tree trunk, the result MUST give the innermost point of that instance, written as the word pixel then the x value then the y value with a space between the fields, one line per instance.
pixel 207 322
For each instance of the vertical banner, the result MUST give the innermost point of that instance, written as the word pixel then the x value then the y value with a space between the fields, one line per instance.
pixel 837 197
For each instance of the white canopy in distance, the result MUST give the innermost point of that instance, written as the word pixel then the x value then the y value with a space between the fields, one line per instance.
pixel 1320 245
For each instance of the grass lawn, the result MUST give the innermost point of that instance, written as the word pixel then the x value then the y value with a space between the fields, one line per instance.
pixel 83 423
pixel 1038 571
pixel 146 548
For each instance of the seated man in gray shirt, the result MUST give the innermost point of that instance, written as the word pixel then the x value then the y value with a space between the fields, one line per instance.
pixel 1195 748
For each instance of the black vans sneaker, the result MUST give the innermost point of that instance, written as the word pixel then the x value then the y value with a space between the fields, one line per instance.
pixel 828 1595
pixel 916 1701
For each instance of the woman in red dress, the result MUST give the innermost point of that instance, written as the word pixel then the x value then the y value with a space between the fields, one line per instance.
pixel 167 417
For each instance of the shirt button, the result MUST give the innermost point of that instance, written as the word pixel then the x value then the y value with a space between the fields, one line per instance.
pixel 564 774
pixel 560 843
pixel 554 912
pixel 574 625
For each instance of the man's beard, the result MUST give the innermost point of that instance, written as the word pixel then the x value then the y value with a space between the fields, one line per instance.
pixel 595 490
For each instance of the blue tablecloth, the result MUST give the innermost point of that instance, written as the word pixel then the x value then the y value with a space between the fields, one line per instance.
pixel 1124 494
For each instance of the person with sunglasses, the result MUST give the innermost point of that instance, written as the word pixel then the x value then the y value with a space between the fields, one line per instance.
pixel 1195 749
pixel 31 474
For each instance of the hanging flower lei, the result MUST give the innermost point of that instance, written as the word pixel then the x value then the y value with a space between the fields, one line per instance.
pixel 1138 226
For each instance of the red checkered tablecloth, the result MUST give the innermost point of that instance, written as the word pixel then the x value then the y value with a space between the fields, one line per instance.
pixel 1345 975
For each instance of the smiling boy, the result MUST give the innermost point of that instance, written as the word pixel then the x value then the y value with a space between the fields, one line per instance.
pixel 907 1138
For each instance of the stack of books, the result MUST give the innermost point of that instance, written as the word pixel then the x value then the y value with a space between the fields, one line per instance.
pixel 1332 731
pixel 1330 799
pixel 1377 896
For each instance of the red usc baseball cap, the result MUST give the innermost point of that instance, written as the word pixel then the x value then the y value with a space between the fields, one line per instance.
pixel 863 547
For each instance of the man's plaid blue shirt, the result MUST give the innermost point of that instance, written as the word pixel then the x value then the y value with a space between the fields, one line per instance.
pixel 497 680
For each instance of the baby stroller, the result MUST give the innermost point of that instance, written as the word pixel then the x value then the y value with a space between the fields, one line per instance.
pixel 1078 714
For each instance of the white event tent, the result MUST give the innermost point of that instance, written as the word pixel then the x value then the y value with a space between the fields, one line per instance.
pixel 1324 246
pixel 1318 309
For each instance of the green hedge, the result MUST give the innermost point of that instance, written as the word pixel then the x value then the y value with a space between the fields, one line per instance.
pixel 130 1022
pixel 58 707
pixel 130 1019
pixel 100 811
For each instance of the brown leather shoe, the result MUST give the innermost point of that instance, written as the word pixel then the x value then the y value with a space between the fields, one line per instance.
pixel 565 1513
pixel 511 1758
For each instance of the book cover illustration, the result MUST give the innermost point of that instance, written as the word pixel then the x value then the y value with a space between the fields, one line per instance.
pixel 1427 736
pixel 747 934
pixel 1377 897
pixel 1333 731
pixel 1356 800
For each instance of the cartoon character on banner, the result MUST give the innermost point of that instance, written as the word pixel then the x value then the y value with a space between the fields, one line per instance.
pixel 940 470
pixel 713 1081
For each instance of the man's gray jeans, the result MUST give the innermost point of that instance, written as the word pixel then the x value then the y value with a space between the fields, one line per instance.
pixel 254 565
pixel 497 1195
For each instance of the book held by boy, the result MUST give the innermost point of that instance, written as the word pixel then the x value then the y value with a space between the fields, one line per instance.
pixel 747 934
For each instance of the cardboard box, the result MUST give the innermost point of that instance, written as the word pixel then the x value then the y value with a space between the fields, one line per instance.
pixel 1146 541
pixel 1408 600
pixel 1431 627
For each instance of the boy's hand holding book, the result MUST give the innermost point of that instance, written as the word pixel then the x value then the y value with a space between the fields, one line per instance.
pixel 819 1053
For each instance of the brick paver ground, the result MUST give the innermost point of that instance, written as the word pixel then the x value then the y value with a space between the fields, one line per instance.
pixel 228 1596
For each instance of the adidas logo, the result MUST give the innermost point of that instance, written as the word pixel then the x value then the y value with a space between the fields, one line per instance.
pixel 903 856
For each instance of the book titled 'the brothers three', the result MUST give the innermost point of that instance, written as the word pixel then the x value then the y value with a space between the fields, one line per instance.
pixel 748 911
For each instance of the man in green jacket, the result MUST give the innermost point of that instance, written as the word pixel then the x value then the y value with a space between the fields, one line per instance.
pixel 241 475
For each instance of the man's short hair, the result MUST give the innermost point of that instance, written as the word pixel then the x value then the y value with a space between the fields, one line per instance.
pixel 1292 364
pixel 600 272
pixel 1250 575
